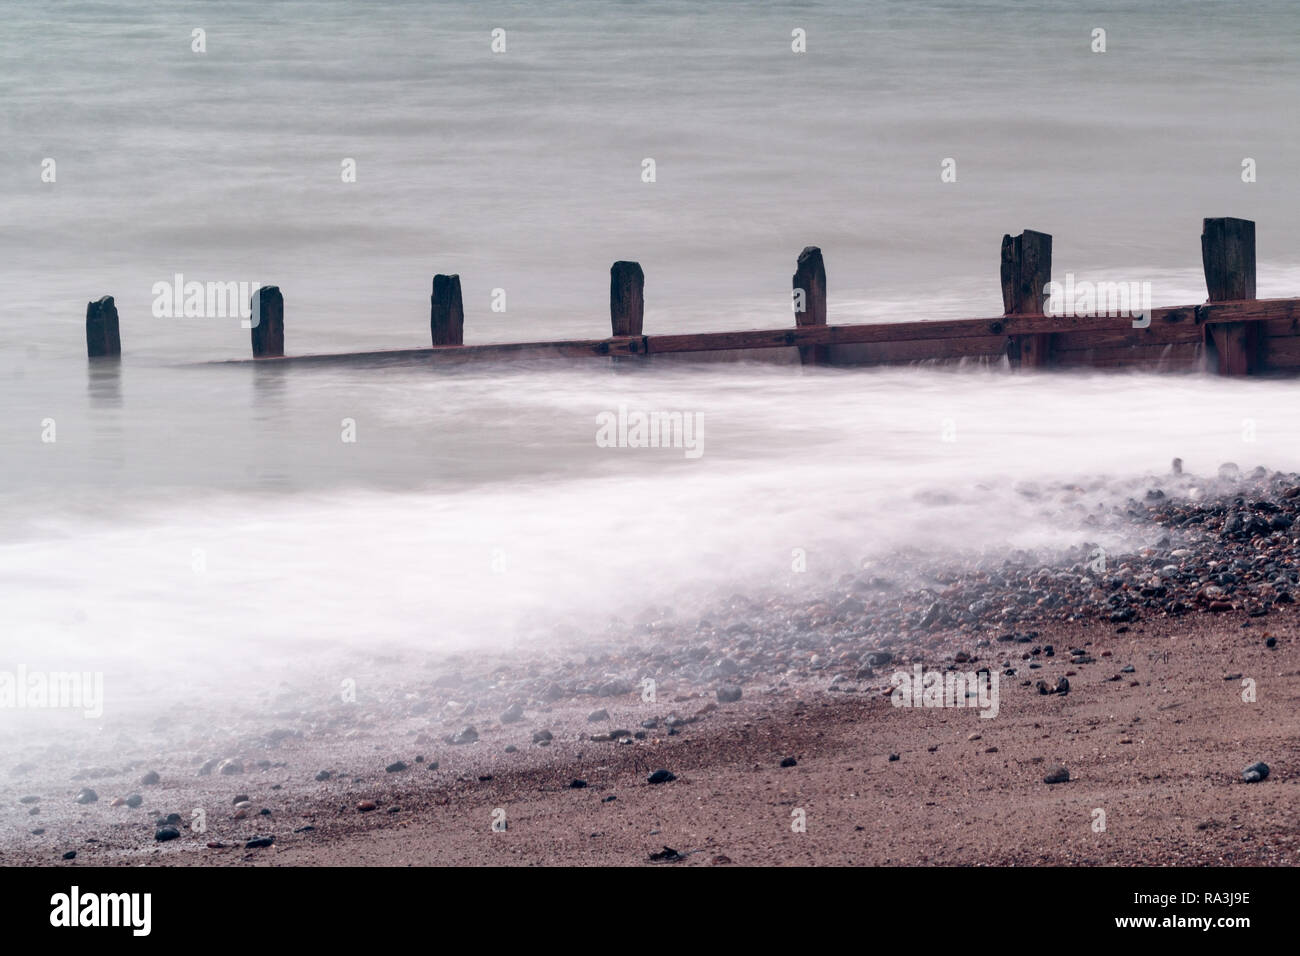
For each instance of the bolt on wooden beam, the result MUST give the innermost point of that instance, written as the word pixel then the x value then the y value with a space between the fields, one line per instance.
pixel 1228 258
pixel 103 339
pixel 1026 271
pixel 266 311
pixel 626 298
pixel 446 311
pixel 809 298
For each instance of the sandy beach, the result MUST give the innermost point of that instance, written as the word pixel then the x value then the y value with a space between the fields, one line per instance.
pixel 777 726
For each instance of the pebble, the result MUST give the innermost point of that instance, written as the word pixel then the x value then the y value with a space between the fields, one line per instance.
pixel 70 855
pixel 661 776
pixel 86 795
pixel 597 715
pixel 167 833
pixel 1057 775
pixel 615 688
pixel 542 737
pixel 789 762
pixel 577 784
pixel 1255 772
pixel 512 714
pixel 729 694
pixel 395 767
pixel 467 735
pixel 259 842
pixel 150 778
pixel 365 806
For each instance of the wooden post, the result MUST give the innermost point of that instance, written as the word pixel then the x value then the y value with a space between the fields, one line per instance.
pixel 102 337
pixel 446 311
pixel 1026 271
pixel 809 298
pixel 626 298
pixel 267 321
pixel 1228 257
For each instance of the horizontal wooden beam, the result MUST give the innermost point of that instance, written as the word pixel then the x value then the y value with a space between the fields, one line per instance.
pixel 576 348
pixel 1173 325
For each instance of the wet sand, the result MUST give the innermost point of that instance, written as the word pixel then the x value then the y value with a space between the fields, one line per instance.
pixel 1157 648
pixel 1160 751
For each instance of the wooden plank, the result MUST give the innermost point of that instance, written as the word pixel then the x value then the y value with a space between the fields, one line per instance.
pixel 1248 310
pixel 446 312
pixel 908 331
pixel 103 340
pixel 1137 338
pixel 1176 325
pixel 267 321
pixel 1280 328
pixel 1283 353
pixel 1172 356
pixel 576 348
pixel 1026 271
pixel 626 299
pixel 809 298
pixel 1228 258
pixel 924 350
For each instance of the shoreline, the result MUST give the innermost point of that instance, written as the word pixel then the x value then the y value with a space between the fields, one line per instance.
pixel 1160 754
pixel 1159 750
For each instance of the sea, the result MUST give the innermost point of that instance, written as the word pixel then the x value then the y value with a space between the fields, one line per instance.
pixel 191 529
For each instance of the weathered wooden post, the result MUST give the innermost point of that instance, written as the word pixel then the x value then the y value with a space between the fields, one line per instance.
pixel 266 312
pixel 102 337
pixel 1228 257
pixel 626 298
pixel 446 311
pixel 809 284
pixel 1026 271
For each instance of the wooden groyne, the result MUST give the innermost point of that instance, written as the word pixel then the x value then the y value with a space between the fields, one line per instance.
pixel 1232 333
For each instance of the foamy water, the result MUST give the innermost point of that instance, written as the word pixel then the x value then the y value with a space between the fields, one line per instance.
pixel 209 528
